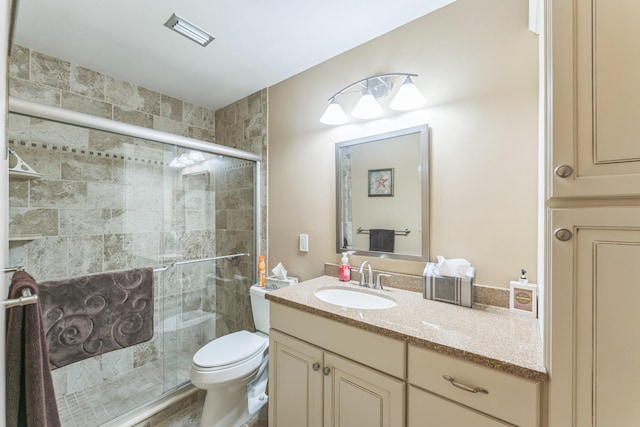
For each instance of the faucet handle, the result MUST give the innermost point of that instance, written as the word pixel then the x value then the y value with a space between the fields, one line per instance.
pixel 378 284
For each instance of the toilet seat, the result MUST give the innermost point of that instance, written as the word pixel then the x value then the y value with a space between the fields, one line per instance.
pixel 229 351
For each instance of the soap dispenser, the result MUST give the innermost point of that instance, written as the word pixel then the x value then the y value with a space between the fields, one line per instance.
pixel 344 271
pixel 523 296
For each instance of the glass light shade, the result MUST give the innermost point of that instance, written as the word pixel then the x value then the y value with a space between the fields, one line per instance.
pixel 334 114
pixel 367 106
pixel 408 97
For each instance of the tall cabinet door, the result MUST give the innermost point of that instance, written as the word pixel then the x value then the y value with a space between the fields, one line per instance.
pixel 595 66
pixel 295 382
pixel 595 317
pixel 358 396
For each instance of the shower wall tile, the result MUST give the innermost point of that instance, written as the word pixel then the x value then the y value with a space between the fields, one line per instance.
pixel 191 277
pixel 117 251
pixel 50 71
pixel 141 196
pixel 19 193
pixel 102 195
pixel 47 162
pixel 255 126
pixel 18 128
pixel 35 92
pixel 117 363
pixel 84 374
pixel 192 115
pixel 171 126
pixel 87 82
pixel 146 353
pixel 142 221
pixel 195 220
pixel 47 132
pixel 61 194
pixel 191 301
pixel 85 254
pixel 90 221
pixel 48 258
pixel 133 97
pixel 86 105
pixel 132 117
pixel 108 142
pixel 201 134
pixel 76 167
pixel 33 221
pixel 171 108
pixel 19 62
pixel 146 248
pixel 191 245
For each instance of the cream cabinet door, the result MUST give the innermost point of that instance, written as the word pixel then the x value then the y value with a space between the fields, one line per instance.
pixel 357 396
pixel 595 98
pixel 295 382
pixel 429 410
pixel 595 319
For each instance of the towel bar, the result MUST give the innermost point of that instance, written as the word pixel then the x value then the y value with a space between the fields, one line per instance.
pixel 25 299
pixel 404 232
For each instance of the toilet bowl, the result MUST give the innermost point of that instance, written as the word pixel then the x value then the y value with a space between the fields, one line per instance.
pixel 233 370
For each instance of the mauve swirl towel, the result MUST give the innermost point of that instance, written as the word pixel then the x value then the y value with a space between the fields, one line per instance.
pixel 30 398
pixel 90 315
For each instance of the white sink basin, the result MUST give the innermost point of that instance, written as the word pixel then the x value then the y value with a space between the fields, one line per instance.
pixel 354 299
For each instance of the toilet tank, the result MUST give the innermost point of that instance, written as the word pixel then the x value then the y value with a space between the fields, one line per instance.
pixel 260 308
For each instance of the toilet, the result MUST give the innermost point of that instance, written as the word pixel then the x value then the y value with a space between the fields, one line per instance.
pixel 233 370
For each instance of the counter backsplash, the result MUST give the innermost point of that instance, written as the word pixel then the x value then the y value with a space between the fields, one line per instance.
pixel 487 295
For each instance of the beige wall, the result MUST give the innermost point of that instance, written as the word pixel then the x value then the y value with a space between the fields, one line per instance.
pixel 478 68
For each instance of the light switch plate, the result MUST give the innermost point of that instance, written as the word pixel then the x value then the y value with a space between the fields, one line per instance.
pixel 304 243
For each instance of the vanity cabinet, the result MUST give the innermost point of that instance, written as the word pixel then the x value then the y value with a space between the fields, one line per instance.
pixel 595 98
pixel 469 395
pixel 309 385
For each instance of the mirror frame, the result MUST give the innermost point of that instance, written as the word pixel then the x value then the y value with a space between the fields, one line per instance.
pixel 423 131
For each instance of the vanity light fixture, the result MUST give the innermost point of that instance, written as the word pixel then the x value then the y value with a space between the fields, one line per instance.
pixel 372 89
pixel 189 30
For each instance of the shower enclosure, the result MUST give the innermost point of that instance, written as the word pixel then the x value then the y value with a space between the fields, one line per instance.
pixel 110 196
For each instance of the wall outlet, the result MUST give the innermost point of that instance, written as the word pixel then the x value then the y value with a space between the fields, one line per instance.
pixel 304 243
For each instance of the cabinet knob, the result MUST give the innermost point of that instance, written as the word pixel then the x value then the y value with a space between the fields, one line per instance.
pixel 326 370
pixel 316 366
pixel 564 171
pixel 563 234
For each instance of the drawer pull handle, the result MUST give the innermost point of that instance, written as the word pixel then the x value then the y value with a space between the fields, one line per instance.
pixel 316 366
pixel 465 387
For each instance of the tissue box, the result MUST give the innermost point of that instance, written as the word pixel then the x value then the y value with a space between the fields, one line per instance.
pixel 454 290
pixel 273 283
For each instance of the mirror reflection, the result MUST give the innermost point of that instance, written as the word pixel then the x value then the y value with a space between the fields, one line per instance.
pixel 382 195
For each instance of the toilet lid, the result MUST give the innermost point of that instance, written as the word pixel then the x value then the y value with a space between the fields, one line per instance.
pixel 229 350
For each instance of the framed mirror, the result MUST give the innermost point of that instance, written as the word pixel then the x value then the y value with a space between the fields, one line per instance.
pixel 382 195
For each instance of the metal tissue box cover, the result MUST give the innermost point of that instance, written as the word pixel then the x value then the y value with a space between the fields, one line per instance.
pixel 454 290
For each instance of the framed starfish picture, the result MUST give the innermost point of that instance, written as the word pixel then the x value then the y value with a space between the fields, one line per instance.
pixel 381 182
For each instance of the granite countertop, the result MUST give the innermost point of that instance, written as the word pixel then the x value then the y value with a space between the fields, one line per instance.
pixel 486 335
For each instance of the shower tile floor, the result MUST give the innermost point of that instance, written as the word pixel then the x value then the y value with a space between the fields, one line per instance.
pixel 96 405
pixel 99 404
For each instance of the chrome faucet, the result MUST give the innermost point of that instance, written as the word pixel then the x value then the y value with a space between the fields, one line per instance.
pixel 368 282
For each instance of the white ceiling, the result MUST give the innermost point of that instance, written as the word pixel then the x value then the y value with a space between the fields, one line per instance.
pixel 258 42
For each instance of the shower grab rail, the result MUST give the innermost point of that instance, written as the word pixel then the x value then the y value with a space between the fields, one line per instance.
pixel 230 256
pixel 26 298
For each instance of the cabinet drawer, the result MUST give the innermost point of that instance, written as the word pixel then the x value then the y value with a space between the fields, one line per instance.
pixel 382 353
pixel 509 398
pixel 428 409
